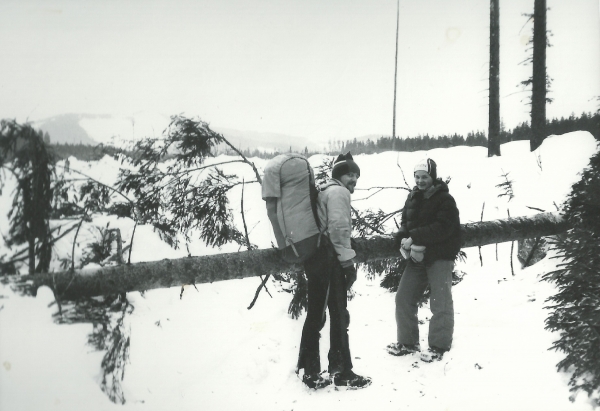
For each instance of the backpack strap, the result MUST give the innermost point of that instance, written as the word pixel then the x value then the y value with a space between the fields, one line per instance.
pixel 314 195
pixel 288 241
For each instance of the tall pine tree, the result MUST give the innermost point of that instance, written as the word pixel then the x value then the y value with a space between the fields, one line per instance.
pixel 24 153
pixel 539 77
pixel 494 80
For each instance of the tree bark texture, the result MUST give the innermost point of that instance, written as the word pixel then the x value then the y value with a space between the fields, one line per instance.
pixel 538 85
pixel 142 276
pixel 494 81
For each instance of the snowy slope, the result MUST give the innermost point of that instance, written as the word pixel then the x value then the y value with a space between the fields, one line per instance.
pixel 206 351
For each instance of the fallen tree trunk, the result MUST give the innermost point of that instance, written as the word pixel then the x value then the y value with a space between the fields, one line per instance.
pixel 166 273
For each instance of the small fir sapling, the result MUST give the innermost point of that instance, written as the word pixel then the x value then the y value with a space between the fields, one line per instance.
pixel 506 186
pixel 104 249
pixel 295 283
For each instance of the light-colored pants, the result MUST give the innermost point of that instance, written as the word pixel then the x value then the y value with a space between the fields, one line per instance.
pixel 413 283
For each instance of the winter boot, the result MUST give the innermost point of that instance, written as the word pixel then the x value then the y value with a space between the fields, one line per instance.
pixel 432 354
pixel 351 380
pixel 398 349
pixel 315 381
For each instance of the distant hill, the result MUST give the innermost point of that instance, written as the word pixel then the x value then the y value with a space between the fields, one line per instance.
pixel 91 129
pixel 65 129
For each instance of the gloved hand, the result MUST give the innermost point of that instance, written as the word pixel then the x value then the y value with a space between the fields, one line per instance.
pixel 417 253
pixel 405 247
pixel 350 274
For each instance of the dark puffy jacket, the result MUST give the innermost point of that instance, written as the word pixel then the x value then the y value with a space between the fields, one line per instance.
pixel 431 218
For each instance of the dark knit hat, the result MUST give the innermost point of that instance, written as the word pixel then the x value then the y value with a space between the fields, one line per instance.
pixel 427 165
pixel 344 164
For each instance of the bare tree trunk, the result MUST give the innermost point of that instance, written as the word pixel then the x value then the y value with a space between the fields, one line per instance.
pixel 538 85
pixel 219 267
pixel 31 247
pixel 29 231
pixel 494 81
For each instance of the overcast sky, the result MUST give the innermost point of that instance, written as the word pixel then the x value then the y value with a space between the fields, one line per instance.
pixel 321 69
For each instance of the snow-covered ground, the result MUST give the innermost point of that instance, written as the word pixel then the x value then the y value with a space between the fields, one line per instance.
pixel 206 351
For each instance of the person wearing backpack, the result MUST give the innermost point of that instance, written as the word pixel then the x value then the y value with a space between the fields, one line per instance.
pixel 429 238
pixel 330 272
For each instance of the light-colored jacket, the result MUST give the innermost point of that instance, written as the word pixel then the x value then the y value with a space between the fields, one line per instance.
pixel 336 219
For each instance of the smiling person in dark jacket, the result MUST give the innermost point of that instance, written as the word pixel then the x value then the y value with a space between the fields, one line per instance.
pixel 429 238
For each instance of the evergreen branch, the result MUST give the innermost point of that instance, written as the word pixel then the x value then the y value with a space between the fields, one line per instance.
pixel 190 170
pixel 362 221
pixel 239 183
pixel 530 17
pixel 371 221
pixel 114 190
pixel 19 257
pixel 390 215
pixel 228 186
pixel 506 186
pixel 13 170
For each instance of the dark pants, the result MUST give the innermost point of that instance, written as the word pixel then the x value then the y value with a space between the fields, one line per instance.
pixel 322 271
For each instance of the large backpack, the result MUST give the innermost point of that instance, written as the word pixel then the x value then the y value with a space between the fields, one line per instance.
pixel 290 194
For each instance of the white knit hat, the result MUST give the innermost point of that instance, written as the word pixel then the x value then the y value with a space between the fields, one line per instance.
pixel 427 165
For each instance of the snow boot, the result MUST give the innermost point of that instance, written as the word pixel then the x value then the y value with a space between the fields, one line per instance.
pixel 315 381
pixel 399 350
pixel 351 380
pixel 432 354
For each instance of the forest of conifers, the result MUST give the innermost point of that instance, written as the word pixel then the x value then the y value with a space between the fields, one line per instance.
pixel 586 121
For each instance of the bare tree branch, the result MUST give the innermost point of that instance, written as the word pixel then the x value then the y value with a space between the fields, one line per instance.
pixel 258 178
pixel 480 258
pixel 263 283
pixel 512 247
pixel 379 189
pixel 403 176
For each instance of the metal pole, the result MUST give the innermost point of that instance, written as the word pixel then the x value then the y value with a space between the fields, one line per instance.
pixel 395 77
